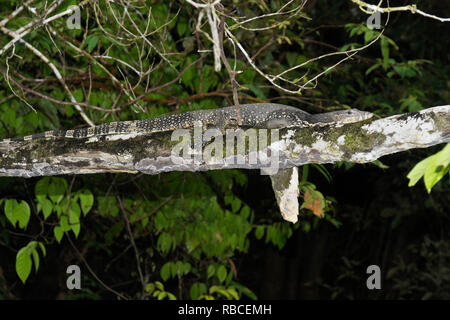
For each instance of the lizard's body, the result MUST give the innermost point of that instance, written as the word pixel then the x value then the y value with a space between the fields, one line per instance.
pixel 259 115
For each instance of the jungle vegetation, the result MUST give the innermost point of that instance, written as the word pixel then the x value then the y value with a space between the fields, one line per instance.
pixel 219 234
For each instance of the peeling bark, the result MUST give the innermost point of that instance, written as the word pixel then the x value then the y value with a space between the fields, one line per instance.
pixel 285 186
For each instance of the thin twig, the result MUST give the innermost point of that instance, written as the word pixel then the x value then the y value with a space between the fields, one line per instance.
pixel 39 94
pixel 92 271
pixel 412 8
pixel 133 243
pixel 5 21
pixel 178 77
pixel 231 73
pixel 55 71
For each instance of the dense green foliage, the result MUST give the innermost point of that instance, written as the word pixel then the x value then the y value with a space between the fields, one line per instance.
pixel 219 234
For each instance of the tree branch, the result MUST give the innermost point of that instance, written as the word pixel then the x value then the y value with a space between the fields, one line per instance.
pixel 152 153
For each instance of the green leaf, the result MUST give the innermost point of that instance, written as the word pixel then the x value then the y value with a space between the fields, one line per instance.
pixel 431 175
pixel 173 269
pixel 162 295
pixel 164 243
pixel 35 255
pixel 64 223
pixel 369 36
pixel 210 272
pixel 42 248
pixel 219 290
pixel 22 214
pixel 221 273
pixel 41 189
pixel 76 229
pixel 233 241
pixel 57 189
pixel 245 212
pixel 149 288
pixel 78 95
pixel 159 285
pixel 375 66
pixel 380 164
pixel 432 169
pixel 23 263
pixel 91 41
pixel 246 291
pixel 444 156
pixel 179 266
pixel 171 296
pixel 233 293
pixel 186 268
pixel 186 78
pixel 182 27
pixel 165 271
pixel 436 168
pixel 417 172
pixel 74 212
pixel 323 170
pixel 191 244
pixel 47 208
pixel 87 201
pixel 69 111
pixel 236 205
pixel 58 232
pixel 195 291
pixel 259 232
pixel 10 204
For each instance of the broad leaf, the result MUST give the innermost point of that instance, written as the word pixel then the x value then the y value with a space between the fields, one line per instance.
pixel 23 264
pixel 86 200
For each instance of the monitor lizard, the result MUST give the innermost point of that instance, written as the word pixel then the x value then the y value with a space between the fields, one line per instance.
pixel 256 115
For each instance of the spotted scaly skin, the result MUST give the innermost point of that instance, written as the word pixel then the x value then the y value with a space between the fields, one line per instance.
pixel 257 115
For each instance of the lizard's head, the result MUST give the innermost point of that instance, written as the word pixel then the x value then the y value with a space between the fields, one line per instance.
pixel 349 115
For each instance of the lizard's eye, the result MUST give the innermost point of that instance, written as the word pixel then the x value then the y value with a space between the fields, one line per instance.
pixel 232 122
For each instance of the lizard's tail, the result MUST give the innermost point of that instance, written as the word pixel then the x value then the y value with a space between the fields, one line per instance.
pixel 41 135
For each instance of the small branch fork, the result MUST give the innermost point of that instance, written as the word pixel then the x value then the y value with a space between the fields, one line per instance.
pixel 45 19
pixel 213 9
pixel 370 9
pixel 278 81
pixel 55 70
